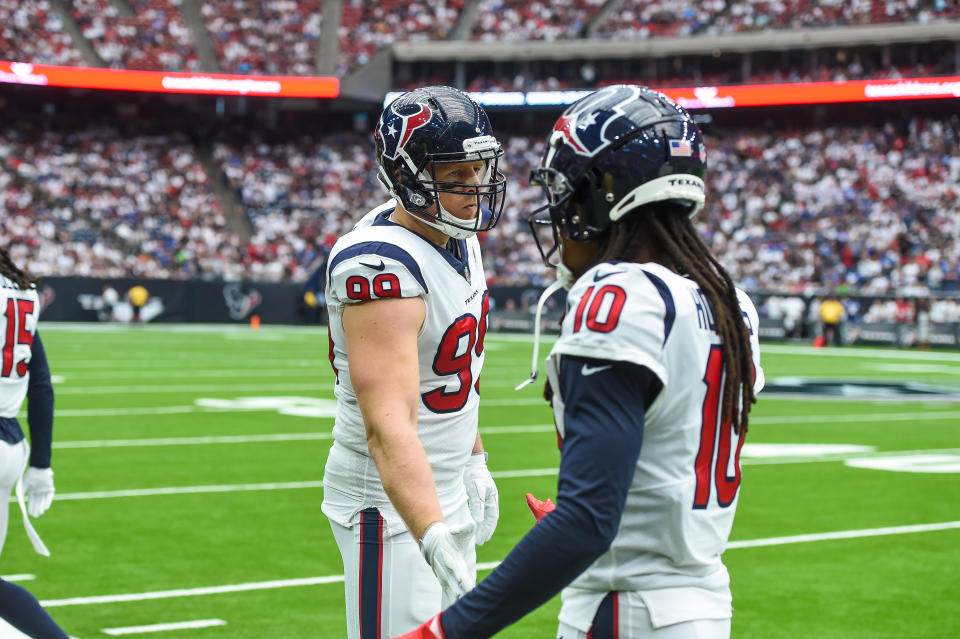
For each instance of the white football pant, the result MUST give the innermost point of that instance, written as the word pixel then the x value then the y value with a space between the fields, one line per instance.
pixel 13 461
pixel 627 616
pixel 389 587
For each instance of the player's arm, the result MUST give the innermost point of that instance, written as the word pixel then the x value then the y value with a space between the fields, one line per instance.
pixel 40 406
pixel 38 480
pixel 603 425
pixel 385 373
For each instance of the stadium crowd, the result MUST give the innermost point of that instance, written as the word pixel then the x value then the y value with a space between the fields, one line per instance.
pixel 154 37
pixel 31 31
pixel 280 36
pixel 866 209
pixel 274 37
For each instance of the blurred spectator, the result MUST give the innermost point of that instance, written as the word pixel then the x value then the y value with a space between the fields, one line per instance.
pixel 31 31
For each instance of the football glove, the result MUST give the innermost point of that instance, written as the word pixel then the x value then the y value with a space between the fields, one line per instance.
pixel 429 630
pixel 38 484
pixel 446 560
pixel 482 496
pixel 540 508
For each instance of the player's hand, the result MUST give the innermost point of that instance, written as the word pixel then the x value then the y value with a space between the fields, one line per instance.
pixel 482 496
pixel 38 484
pixel 429 630
pixel 540 508
pixel 446 559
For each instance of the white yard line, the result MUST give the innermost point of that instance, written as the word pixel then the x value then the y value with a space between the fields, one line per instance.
pixel 192 389
pixel 165 627
pixel 255 439
pixel 500 474
pixel 313 581
pixel 18 577
pixel 843 534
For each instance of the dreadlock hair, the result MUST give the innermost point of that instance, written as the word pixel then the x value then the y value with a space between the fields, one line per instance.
pixel 670 227
pixel 10 270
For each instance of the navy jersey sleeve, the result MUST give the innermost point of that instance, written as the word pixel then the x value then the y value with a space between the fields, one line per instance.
pixel 40 406
pixel 604 432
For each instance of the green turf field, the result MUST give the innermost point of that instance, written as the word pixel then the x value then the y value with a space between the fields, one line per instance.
pixel 188 466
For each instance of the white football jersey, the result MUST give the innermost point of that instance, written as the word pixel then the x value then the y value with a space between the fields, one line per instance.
pixel 19 311
pixel 380 259
pixel 681 504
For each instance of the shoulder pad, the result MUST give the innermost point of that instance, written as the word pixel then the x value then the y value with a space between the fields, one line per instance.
pixel 372 270
pixel 618 312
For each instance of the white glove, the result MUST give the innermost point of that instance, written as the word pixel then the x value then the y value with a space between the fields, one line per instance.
pixel 38 484
pixel 482 496
pixel 446 559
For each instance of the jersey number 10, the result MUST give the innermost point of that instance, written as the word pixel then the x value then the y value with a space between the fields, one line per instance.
pixel 712 456
pixel 16 333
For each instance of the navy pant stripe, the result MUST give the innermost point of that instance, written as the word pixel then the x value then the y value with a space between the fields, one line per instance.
pixel 371 571
pixel 605 623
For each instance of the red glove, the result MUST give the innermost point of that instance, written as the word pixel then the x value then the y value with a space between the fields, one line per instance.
pixel 540 508
pixel 429 630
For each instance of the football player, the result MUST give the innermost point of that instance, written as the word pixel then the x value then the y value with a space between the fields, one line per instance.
pixel 24 373
pixel 406 478
pixel 651 382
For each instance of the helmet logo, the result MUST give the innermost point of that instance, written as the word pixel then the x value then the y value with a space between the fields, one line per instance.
pixel 407 125
pixel 585 126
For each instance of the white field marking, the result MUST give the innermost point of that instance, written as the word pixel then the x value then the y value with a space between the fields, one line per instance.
pixel 330 579
pixel 189 388
pixel 914 368
pixel 253 439
pixel 910 463
pixel 801 450
pixel 110 327
pixel 186 490
pixel 500 474
pixel 194 441
pixel 862 417
pixel 214 373
pixel 190 592
pixel 164 627
pixel 843 534
pixel 18 577
pixel 848 353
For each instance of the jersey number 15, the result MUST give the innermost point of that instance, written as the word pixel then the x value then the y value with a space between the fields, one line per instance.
pixel 16 333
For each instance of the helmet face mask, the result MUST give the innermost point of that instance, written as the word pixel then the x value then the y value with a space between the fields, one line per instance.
pixel 430 127
pixel 613 152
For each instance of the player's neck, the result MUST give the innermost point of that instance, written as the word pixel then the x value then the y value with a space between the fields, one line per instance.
pixel 410 221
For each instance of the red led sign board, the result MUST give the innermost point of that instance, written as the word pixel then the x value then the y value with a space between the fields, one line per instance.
pixel 169 82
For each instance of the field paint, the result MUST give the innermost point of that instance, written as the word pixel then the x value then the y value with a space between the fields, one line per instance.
pixel 843 534
pixel 164 627
pixel 149 374
pixel 18 577
pixel 188 490
pixel 329 579
pixel 190 592
pixel 254 439
pixel 848 353
pixel 861 417
pixel 187 389
pixel 500 474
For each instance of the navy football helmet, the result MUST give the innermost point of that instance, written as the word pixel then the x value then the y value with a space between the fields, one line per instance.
pixel 439 125
pixel 611 153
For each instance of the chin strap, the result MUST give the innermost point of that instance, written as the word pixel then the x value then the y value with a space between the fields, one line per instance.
pixel 535 366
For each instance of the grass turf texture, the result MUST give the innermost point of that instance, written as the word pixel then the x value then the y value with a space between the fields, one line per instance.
pixel 143 383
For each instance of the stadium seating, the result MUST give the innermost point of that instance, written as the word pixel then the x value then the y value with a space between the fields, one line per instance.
pixel 155 37
pixel 31 31
pixel 276 37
